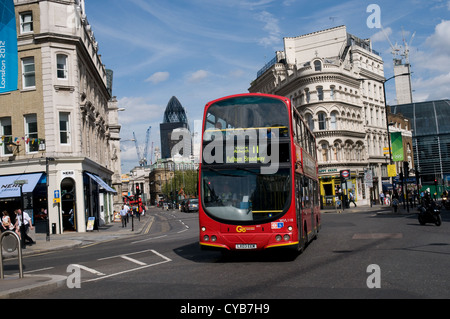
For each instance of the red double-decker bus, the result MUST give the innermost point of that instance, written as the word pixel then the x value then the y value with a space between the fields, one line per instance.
pixel 258 178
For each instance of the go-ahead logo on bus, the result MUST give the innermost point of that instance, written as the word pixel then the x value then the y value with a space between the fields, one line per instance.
pixel 243 229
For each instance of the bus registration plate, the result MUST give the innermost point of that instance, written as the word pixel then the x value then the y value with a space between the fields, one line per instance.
pixel 246 246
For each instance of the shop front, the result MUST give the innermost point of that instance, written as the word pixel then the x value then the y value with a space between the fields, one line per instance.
pixel 27 192
pixel 334 189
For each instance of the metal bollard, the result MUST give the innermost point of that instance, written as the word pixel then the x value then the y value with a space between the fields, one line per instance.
pixel 10 241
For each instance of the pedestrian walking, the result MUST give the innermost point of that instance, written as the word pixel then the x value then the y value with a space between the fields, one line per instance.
pixel 24 226
pixel 352 199
pixel 123 216
pixel 395 202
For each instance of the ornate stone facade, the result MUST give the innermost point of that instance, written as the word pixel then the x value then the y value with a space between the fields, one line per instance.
pixel 336 82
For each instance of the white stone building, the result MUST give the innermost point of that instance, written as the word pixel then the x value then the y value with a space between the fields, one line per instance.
pixel 336 82
pixel 62 120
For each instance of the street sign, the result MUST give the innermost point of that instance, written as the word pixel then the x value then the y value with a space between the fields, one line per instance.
pixel 345 174
pixel 56 198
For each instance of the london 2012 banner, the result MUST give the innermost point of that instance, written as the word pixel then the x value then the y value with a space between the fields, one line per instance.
pixel 397 146
pixel 8 47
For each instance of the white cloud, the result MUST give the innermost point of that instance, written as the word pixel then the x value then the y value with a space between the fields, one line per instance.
pixel 441 39
pixel 138 111
pixel 271 26
pixel 382 35
pixel 158 77
pixel 433 60
pixel 436 88
pixel 197 76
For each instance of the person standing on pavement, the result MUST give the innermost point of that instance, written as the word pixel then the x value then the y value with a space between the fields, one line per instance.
pixel 123 216
pixel 26 225
pixel 6 222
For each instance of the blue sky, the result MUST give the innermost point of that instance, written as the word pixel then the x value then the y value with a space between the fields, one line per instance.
pixel 200 50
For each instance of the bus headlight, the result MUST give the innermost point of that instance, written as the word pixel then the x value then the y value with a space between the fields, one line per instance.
pixel 278 237
pixel 286 237
pixel 290 228
pixel 213 238
pixel 203 228
pixel 206 238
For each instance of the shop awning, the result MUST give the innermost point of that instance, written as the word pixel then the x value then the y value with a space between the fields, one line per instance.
pixel 102 183
pixel 9 186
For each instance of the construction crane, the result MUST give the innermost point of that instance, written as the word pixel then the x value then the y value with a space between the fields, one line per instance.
pixel 142 158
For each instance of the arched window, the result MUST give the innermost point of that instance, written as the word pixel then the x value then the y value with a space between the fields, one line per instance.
pixel 324 147
pixel 320 93
pixel 322 121
pixel 310 121
pixel 332 92
pixel 317 65
pixel 333 121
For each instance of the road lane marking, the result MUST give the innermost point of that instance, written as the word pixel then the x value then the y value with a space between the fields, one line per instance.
pixel 133 260
pixel 166 260
pixel 92 271
pixel 139 241
pixel 37 270
pixel 377 236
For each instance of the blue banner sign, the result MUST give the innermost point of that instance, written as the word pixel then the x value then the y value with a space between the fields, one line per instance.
pixel 8 47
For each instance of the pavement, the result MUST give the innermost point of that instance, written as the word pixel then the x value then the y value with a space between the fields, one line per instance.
pixel 12 287
pixel 379 209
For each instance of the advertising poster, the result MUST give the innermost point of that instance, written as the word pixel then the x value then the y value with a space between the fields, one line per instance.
pixel 8 47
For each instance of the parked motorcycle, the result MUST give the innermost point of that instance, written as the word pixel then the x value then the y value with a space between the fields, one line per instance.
pixel 430 213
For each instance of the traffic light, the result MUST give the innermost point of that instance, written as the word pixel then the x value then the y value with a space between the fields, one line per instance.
pixel 137 190
pixel 406 169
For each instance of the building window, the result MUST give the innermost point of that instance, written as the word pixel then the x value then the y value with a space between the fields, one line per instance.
pixel 324 152
pixel 61 66
pixel 28 73
pixel 333 121
pixel 310 121
pixel 322 121
pixel 31 133
pixel 336 151
pixel 307 95
pixel 320 93
pixel 64 128
pixel 26 22
pixel 6 135
pixel 317 65
pixel 332 92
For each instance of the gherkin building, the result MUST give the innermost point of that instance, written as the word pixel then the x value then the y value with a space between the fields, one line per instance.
pixel 174 118
pixel 174 112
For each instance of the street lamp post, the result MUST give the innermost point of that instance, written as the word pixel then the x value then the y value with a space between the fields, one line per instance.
pixel 386 114
pixel 47 160
pixel 387 127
